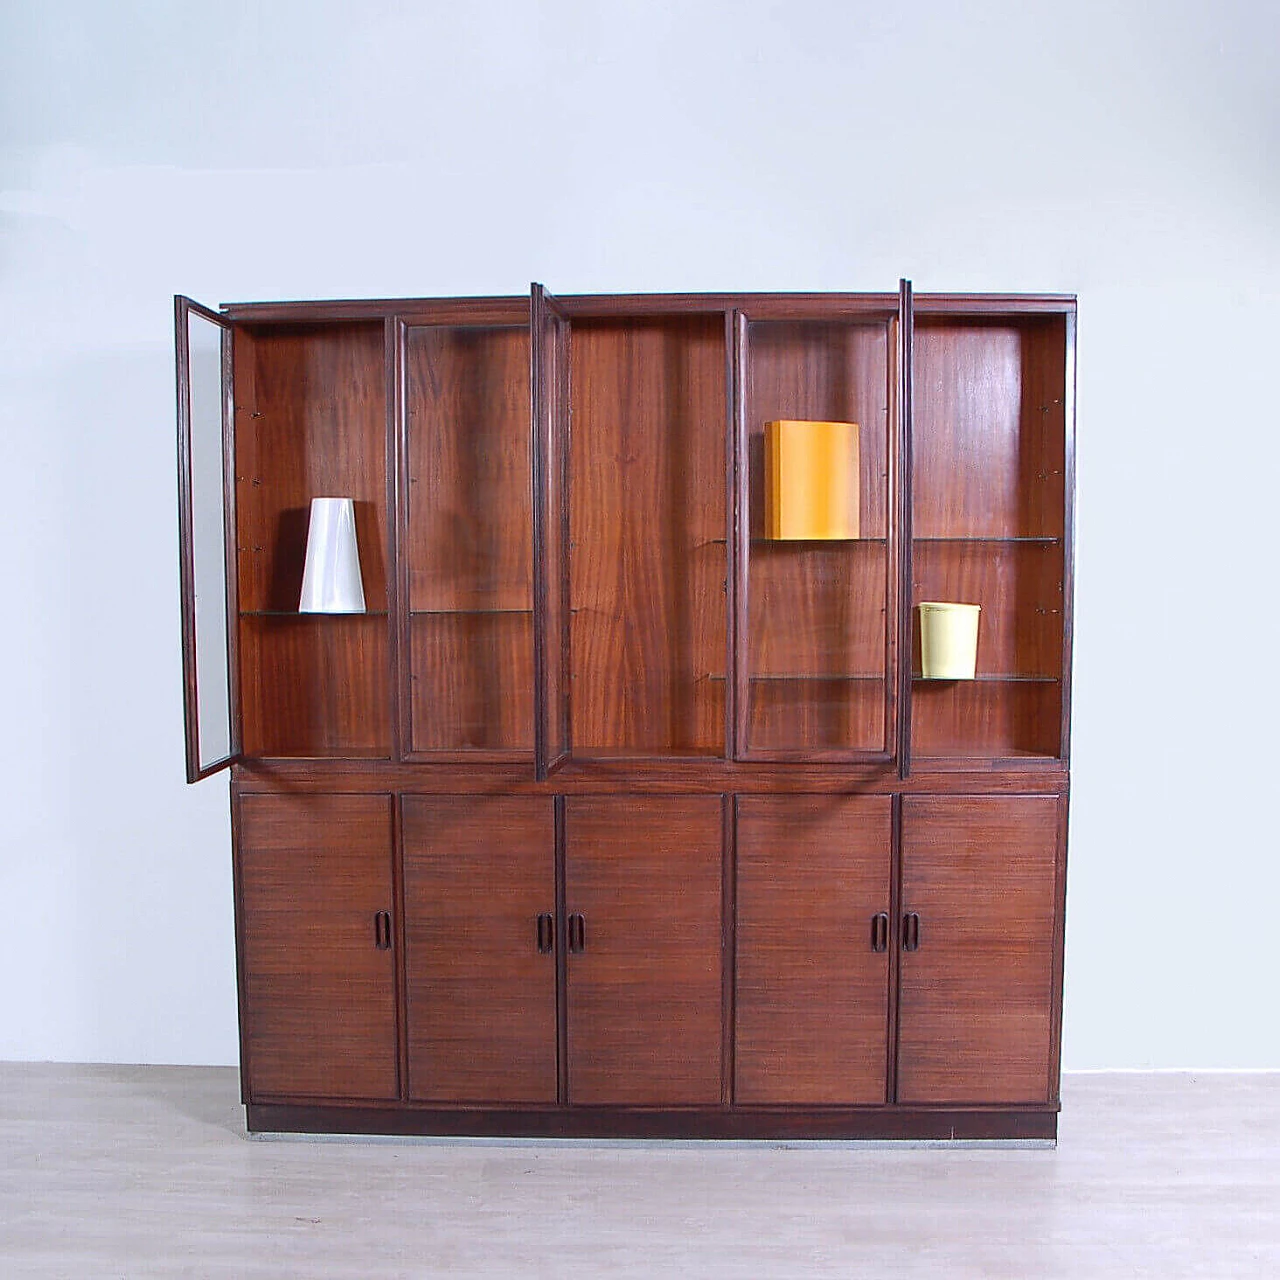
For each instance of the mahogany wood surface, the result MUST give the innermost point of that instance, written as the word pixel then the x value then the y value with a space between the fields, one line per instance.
pixel 1018 585
pixel 976 998
pixel 811 994
pixel 698 776
pixel 648 523
pixel 319 995
pixel 644 994
pixel 989 718
pixel 907 1123
pixel 315 685
pixel 800 718
pixel 987 439
pixel 470 543
pixel 481 997
pixel 310 422
pixel 472 682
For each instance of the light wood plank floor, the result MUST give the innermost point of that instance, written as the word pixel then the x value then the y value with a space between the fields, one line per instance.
pixel 146 1171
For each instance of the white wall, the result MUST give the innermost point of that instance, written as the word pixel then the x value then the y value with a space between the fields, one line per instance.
pixel 231 151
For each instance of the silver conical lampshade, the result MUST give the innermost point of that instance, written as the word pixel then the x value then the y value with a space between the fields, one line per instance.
pixel 331 576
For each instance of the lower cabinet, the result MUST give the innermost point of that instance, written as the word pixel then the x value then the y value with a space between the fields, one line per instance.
pixel 976 994
pixel 317 958
pixel 480 965
pixel 514 987
pixel 813 949
pixel 643 892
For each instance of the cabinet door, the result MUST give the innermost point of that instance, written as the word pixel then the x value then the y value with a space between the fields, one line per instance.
pixel 812 992
pixel 480 965
pixel 548 338
pixel 316 946
pixel 643 892
pixel 206 515
pixel 977 986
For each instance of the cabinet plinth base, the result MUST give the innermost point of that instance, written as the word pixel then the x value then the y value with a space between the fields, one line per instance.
pixel 903 1123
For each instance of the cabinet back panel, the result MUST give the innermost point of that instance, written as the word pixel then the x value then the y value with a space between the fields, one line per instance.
pixel 315 685
pixel 645 995
pixel 818 608
pixel 976 999
pixel 648 524
pixel 472 682
pixel 812 998
pixel 319 996
pixel 1018 585
pixel 469 495
pixel 828 372
pixel 310 422
pixel 985 718
pixel 478 871
pixel 815 715
pixel 988 439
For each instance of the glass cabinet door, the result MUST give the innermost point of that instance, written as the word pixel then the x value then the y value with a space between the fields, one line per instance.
pixel 206 516
pixel 818 430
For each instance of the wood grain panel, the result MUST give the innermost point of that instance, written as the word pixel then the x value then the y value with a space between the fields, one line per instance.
pixel 648 524
pixel 470 517
pixel 976 999
pixel 315 685
pixel 1018 585
pixel 811 1000
pixel 829 372
pixel 992 718
pixel 319 1001
pixel 310 423
pixel 988 440
pixel 472 682
pixel 815 715
pixel 644 997
pixel 481 998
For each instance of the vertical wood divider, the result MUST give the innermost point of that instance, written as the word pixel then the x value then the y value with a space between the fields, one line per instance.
pixel 399 934
pixel 1068 532
pixel 728 935
pixel 730 540
pixel 1059 949
pixel 237 891
pixel 396 339
pixel 562 957
pixel 741 540
pixel 895 948
pixel 905 426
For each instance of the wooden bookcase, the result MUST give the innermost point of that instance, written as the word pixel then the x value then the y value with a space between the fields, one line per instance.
pixel 612 814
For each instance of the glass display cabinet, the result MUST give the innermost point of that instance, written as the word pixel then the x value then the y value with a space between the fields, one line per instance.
pixel 625 805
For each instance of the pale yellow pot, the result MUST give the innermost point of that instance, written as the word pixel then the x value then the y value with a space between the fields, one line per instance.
pixel 948 640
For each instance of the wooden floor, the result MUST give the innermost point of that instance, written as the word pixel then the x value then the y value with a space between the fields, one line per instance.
pixel 146 1171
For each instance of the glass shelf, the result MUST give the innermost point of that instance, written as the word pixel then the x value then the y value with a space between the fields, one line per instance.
pixel 453 613
pixel 985 679
pixel 294 613
pixel 825 679
pixel 996 538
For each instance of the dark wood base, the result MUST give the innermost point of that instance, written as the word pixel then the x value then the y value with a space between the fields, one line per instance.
pixel 904 1123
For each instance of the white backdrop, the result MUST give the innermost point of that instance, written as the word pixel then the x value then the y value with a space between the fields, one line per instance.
pixel 1122 151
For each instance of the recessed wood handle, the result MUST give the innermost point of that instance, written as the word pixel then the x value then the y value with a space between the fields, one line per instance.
pixel 880 931
pixel 577 934
pixel 382 930
pixel 546 933
pixel 911 932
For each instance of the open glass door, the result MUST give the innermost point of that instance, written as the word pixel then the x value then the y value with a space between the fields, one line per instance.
pixel 549 375
pixel 206 515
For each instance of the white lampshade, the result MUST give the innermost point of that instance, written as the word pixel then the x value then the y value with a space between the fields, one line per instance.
pixel 331 576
